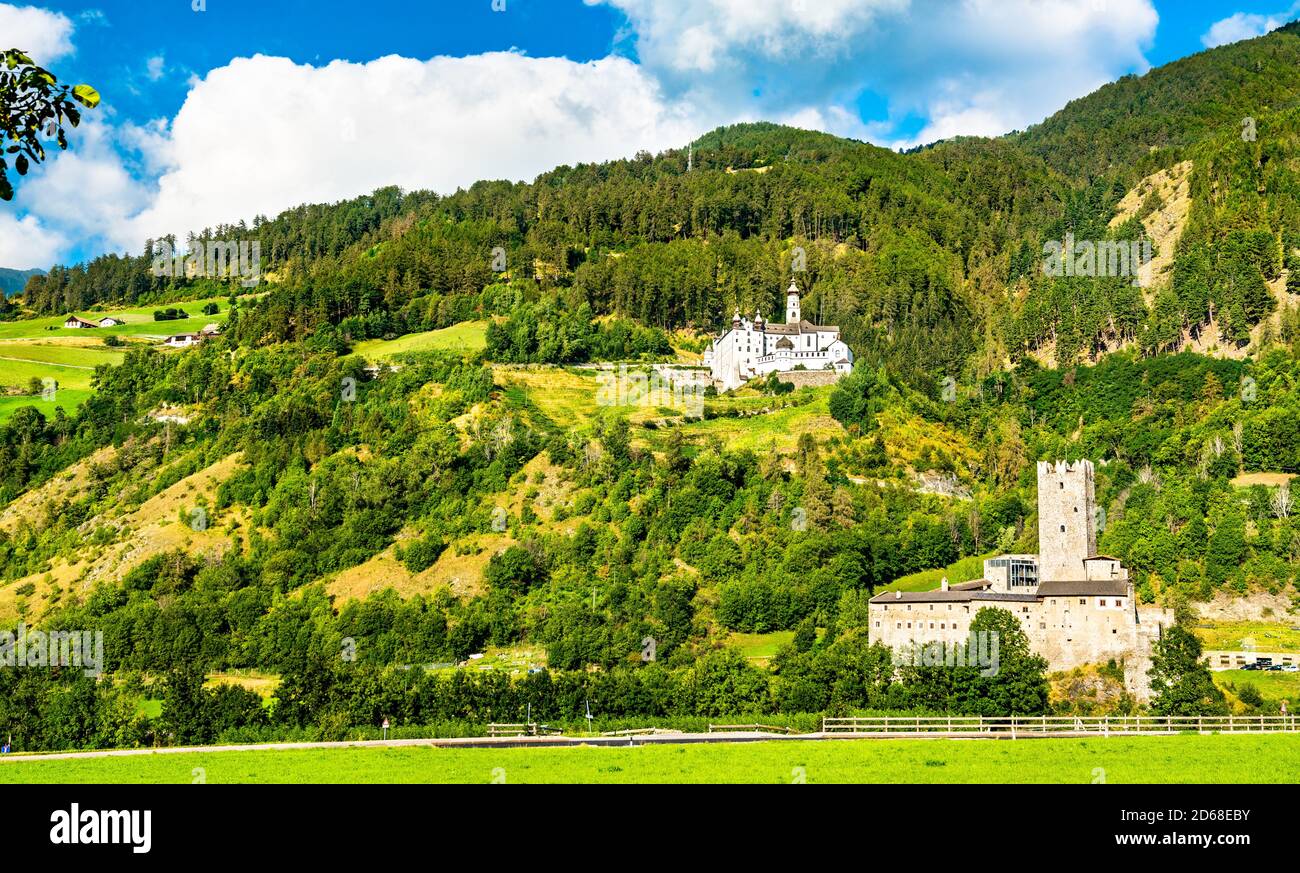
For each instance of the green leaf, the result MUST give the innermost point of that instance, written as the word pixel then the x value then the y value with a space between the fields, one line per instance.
pixel 6 190
pixel 20 164
pixel 86 96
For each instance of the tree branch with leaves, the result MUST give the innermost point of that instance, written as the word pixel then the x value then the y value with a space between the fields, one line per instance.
pixel 34 107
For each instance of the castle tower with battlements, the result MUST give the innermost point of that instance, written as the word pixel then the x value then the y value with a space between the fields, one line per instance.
pixel 1076 607
pixel 1067 521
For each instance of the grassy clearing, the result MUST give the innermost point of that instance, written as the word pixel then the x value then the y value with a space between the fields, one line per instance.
pixel 1178 759
pixel 43 348
pixel 760 647
pixel 778 430
pixel 963 570
pixel 1271 685
pixel 67 399
pixel 468 337
pixel 260 683
pixel 70 366
pixel 1267 636
pixel 138 322
pixel 567 398
pixel 1269 480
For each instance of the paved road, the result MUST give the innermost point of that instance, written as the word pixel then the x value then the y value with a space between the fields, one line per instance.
pixel 571 742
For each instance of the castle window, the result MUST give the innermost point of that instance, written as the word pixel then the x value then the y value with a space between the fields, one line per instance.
pixel 1042 625
pixel 1062 528
pixel 1062 486
pixel 909 625
pixel 1083 601
pixel 1118 603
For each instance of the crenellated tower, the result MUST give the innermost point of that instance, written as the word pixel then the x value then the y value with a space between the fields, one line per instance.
pixel 1067 530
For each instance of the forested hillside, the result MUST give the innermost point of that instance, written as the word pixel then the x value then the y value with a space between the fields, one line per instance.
pixel 303 486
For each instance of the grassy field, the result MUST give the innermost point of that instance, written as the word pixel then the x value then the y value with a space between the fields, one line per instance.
pixel 567 398
pixel 1272 686
pixel 70 365
pixel 778 430
pixel 1267 636
pixel 760 647
pixel 1178 759
pixel 468 337
pixel 43 348
pixel 139 322
pixel 963 570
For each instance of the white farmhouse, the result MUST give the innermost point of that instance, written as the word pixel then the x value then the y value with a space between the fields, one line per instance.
pixel 756 348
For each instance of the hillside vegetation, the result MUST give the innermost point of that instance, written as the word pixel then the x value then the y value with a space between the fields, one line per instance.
pixel 403 450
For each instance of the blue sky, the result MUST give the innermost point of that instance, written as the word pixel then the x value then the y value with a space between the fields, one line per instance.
pixel 244 107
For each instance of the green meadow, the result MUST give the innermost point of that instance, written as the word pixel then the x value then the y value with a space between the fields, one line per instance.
pixel 138 321
pixel 963 570
pixel 1264 636
pixel 1175 759
pixel 71 367
pixel 468 337
pixel 1275 686
pixel 42 348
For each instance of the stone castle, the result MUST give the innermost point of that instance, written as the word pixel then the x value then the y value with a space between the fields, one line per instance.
pixel 756 348
pixel 1076 606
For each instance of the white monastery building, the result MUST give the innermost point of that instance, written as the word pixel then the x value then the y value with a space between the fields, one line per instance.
pixel 756 348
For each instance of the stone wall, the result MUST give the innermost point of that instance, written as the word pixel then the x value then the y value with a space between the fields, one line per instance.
pixel 1069 631
pixel 803 378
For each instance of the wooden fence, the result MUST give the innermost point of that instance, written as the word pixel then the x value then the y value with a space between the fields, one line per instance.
pixel 521 729
pixel 1048 724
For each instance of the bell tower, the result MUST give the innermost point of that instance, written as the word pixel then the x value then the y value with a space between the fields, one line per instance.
pixel 792 315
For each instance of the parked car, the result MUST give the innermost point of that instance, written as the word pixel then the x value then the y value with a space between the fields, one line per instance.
pixel 1289 668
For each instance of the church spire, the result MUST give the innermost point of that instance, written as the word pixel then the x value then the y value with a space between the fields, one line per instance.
pixel 792 315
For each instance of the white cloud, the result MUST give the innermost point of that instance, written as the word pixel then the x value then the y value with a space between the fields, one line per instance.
pixel 154 67
pixel 965 66
pixel 81 198
pixel 702 36
pixel 1244 25
pixel 87 191
pixel 45 35
pixel 263 134
pixel 26 243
